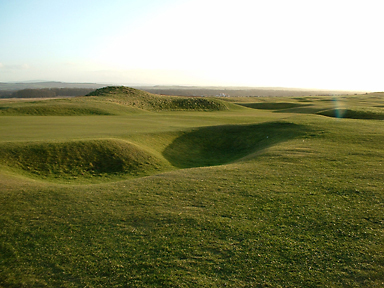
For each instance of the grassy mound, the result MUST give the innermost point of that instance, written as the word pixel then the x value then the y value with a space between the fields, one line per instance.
pixel 81 159
pixel 147 101
pixel 223 144
pixel 372 114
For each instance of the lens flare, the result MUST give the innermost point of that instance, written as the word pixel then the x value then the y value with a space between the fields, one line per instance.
pixel 339 107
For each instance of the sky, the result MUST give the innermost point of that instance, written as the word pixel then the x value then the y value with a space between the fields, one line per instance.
pixel 323 44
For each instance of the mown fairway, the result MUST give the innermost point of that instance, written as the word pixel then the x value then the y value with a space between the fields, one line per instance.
pixel 131 190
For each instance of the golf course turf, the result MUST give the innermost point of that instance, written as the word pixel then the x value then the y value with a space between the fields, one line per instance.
pixel 123 188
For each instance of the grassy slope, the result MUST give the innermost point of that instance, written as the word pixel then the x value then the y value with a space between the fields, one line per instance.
pixel 80 160
pixel 303 208
pixel 146 101
pixel 111 101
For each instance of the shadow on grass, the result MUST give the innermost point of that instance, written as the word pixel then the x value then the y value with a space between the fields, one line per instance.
pixel 353 114
pixel 281 107
pixel 273 106
pixel 209 146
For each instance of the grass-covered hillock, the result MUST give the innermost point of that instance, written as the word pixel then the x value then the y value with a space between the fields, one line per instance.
pixel 146 101
pixel 111 101
pixel 217 145
pixel 79 159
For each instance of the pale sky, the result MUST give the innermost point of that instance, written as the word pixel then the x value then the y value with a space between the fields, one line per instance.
pixel 326 44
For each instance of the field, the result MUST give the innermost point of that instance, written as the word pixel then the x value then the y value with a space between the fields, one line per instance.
pixel 124 188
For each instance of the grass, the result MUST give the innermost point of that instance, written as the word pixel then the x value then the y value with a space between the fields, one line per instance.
pixel 80 160
pixel 51 110
pixel 209 146
pixel 273 105
pixel 371 113
pixel 146 101
pixel 75 106
pixel 221 205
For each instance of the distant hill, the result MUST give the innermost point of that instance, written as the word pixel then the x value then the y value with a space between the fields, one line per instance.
pixel 242 91
pixel 46 93
pixel 52 88
pixel 7 89
pixel 48 84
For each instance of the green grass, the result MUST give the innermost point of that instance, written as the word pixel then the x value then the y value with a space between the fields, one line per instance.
pixel 209 146
pixel 112 101
pixel 146 101
pixel 215 204
pixel 273 105
pixel 80 160
pixel 50 110
pixel 377 114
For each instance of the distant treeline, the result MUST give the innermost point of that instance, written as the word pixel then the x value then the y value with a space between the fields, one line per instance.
pixel 46 93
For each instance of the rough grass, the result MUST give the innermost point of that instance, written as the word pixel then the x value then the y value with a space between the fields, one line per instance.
pixel 146 101
pixel 112 101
